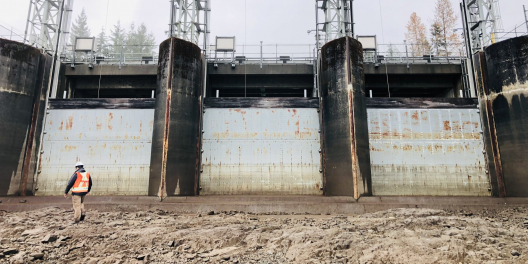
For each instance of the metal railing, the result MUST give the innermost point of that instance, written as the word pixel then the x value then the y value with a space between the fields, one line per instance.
pixel 110 54
pixel 272 53
pixel 265 53
pixel 518 31
pixel 11 33
pixel 416 54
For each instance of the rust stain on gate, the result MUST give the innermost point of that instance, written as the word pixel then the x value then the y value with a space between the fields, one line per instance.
pixel 410 156
pixel 263 155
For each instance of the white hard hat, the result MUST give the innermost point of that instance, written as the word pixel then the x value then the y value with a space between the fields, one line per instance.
pixel 78 164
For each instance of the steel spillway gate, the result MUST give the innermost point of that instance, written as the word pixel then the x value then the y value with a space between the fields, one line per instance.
pixel 261 151
pixel 114 144
pixel 427 152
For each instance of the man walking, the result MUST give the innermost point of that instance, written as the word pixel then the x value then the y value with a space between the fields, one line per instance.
pixel 80 184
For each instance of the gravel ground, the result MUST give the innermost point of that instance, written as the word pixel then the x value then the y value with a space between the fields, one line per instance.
pixel 393 236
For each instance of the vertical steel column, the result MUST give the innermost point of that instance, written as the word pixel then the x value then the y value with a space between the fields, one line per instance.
pixel 525 17
pixel 261 54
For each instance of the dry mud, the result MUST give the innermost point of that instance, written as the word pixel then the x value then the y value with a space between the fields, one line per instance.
pixel 393 236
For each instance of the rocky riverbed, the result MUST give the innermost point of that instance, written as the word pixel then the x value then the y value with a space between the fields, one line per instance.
pixel 393 236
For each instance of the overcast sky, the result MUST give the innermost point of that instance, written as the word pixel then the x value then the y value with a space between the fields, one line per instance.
pixel 252 21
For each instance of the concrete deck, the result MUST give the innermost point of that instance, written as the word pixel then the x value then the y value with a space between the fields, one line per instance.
pixel 264 204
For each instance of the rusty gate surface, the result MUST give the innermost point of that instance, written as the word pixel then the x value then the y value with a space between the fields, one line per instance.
pixel 427 152
pixel 261 151
pixel 114 145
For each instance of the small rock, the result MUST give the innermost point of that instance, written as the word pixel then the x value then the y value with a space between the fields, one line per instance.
pixel 515 253
pixel 64 238
pixel 10 251
pixel 49 238
pixel 37 255
pixel 190 256
pixel 226 258
pixel 211 213
pixel 171 244
pixel 253 218
pixel 92 261
pixel 2 255
pixel 22 201
pixel 199 215
pixel 59 244
pixel 78 245
pixel 140 257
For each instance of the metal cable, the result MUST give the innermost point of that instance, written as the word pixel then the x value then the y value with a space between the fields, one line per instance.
pixel 101 67
pixel 383 37
pixel 245 42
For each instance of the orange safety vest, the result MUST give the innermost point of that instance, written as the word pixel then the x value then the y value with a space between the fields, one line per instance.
pixel 82 182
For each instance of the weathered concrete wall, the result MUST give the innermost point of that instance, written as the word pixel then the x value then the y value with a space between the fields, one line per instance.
pixel 507 70
pixel 345 126
pixel 177 118
pixel 24 78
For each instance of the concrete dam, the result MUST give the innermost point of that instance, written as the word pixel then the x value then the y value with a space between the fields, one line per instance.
pixel 187 126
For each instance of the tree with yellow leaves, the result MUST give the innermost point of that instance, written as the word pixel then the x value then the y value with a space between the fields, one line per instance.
pixel 417 37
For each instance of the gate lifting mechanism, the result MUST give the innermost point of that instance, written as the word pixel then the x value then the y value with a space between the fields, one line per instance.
pixel 42 26
pixel 189 19
pixel 338 20
pixel 482 21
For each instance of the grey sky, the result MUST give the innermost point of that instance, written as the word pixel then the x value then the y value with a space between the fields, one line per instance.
pixel 272 21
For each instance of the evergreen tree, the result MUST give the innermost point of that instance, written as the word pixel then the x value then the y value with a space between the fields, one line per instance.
pixel 139 41
pixel 117 38
pixel 80 27
pixel 102 43
pixel 443 28
pixel 131 39
pixel 417 36
pixel 393 52
pixel 439 45
pixel 144 39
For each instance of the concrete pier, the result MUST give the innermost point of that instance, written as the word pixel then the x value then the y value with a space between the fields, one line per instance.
pixel 176 136
pixel 502 81
pixel 345 127
pixel 24 79
pixel 507 74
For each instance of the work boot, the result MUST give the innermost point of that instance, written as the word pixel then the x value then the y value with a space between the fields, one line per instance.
pixel 82 217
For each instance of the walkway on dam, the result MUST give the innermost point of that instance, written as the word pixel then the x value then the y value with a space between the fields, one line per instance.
pixel 309 205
